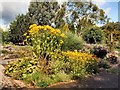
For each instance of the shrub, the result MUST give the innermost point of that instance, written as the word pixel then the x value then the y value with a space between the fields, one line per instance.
pixel 5 37
pixel 60 77
pixel 40 79
pixel 81 64
pixel 99 50
pixel 45 40
pixel 93 35
pixel 72 42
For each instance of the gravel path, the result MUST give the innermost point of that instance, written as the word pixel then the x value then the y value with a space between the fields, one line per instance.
pixel 103 80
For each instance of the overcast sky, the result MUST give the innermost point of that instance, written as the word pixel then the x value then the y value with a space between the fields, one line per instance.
pixel 10 8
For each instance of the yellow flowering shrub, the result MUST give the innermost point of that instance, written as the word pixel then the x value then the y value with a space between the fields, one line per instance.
pixel 81 63
pixel 45 40
pixel 82 57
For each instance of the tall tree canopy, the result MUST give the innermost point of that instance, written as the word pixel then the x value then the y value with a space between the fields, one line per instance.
pixel 112 26
pixel 112 31
pixel 43 12
pixel 83 14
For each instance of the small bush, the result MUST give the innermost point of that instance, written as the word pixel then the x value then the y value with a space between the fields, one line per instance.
pixel 80 64
pixel 5 37
pixel 99 51
pixel 72 42
pixel 40 79
pixel 45 40
pixel 61 77
pixel 93 35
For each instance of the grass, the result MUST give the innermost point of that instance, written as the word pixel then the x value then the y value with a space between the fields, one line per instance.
pixel 40 79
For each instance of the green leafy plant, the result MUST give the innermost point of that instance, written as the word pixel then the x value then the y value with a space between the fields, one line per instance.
pixel 93 35
pixel 5 37
pixel 72 42
pixel 40 79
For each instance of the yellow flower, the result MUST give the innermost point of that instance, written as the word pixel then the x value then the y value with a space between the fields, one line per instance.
pixel 52 30
pixel 62 35
pixel 61 41
pixel 58 31
pixel 35 29
pixel 25 34
pixel 82 57
pixel 40 27
pixel 75 51
pixel 31 26
pixel 49 27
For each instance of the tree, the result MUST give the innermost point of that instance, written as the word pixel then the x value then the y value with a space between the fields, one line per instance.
pixel 18 27
pixel 59 17
pixel 83 14
pixel 112 31
pixel 41 13
pixel 44 12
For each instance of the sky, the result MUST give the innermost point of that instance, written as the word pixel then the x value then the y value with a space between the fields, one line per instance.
pixel 10 8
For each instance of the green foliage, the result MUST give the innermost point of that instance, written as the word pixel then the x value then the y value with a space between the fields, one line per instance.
pixel 61 77
pixel 72 42
pixel 59 17
pixel 46 13
pixel 79 13
pixel 40 79
pixel 5 37
pixel 110 26
pixel 112 34
pixel 71 65
pixel 93 35
pixel 58 66
pixel 6 52
pixel 18 27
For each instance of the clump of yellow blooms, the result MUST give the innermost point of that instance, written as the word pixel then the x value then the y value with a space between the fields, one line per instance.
pixel 45 39
pixel 34 29
pixel 82 57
